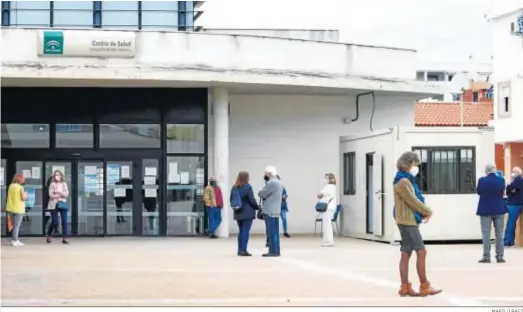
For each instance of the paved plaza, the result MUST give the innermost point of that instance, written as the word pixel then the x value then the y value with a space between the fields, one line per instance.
pixel 203 272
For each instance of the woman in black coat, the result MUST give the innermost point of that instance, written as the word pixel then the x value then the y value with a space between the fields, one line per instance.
pixel 247 213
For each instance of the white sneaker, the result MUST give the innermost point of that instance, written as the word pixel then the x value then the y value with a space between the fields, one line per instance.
pixel 20 243
pixel 15 243
pixel 327 245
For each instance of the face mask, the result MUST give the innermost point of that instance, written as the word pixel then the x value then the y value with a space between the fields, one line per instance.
pixel 414 170
pixel 212 183
pixel 514 174
pixel 266 177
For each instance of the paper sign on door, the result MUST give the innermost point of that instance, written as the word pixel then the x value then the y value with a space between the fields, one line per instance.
pixel 119 192
pixel 150 193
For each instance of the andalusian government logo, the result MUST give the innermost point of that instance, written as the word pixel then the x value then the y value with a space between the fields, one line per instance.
pixel 53 42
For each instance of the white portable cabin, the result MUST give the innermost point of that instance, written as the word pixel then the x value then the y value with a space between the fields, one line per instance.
pixel 453 158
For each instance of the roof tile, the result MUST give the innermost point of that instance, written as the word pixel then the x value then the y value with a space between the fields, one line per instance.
pixel 447 114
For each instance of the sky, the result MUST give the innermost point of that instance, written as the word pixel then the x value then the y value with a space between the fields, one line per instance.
pixel 441 30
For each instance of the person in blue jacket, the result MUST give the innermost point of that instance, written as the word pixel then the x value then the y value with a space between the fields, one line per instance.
pixel 491 209
pixel 514 205
pixel 284 211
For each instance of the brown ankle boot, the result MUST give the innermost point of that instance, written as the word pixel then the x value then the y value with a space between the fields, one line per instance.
pixel 406 290
pixel 426 290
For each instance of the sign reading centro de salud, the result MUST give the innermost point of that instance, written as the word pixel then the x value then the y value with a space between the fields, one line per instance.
pixel 87 44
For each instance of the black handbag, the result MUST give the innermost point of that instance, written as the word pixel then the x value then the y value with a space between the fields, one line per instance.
pixel 259 213
pixel 322 206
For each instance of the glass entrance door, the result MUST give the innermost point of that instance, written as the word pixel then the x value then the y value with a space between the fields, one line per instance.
pixel 132 196
pixel 89 198
pixel 66 168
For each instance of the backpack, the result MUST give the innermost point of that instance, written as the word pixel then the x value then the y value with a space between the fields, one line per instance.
pixel 236 199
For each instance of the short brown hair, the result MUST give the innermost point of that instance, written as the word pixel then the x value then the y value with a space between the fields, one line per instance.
pixel 331 177
pixel 18 178
pixel 242 179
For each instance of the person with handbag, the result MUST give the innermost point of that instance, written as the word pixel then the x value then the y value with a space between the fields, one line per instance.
pixel 271 195
pixel 245 211
pixel 327 206
pixel 15 207
pixel 58 194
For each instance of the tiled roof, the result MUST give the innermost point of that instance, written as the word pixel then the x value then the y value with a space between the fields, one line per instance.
pixel 447 114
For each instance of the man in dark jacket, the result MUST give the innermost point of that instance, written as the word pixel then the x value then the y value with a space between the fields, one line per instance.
pixel 514 204
pixel 491 208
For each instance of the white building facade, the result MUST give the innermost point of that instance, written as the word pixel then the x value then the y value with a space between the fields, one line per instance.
pixel 265 101
pixel 507 24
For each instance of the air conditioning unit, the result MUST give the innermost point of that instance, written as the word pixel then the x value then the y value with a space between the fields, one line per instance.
pixel 517 29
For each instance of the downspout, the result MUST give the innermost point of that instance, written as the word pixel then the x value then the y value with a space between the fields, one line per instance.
pixel 358 107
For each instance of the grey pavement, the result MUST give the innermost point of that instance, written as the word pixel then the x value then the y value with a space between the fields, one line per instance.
pixel 202 272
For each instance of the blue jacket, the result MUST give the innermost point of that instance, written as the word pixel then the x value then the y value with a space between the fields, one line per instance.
pixel 490 190
pixel 249 205
pixel 515 192
pixel 284 206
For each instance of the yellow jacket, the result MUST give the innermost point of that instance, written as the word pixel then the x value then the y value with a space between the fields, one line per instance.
pixel 209 197
pixel 15 203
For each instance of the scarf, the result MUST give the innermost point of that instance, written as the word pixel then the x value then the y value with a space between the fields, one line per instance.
pixel 219 196
pixel 402 174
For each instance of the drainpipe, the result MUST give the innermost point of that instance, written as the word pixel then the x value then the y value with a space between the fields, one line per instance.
pixel 461 109
pixel 358 107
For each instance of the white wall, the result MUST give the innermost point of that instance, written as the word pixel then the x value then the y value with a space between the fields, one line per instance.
pixel 354 217
pixel 173 52
pixel 300 136
pixel 454 215
pixel 304 34
pixel 508 66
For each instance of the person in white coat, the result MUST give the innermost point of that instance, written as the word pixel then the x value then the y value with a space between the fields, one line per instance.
pixel 328 195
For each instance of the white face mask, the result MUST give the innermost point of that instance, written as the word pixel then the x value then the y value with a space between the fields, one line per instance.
pixel 514 174
pixel 414 170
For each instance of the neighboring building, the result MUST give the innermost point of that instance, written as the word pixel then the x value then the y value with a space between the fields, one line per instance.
pixel 331 35
pixel 454 77
pixel 452 159
pixel 131 15
pixel 139 119
pixel 507 25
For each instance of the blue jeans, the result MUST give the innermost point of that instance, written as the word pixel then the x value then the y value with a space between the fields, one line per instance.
pixel 514 211
pixel 244 227
pixel 54 222
pixel 215 218
pixel 273 234
pixel 284 220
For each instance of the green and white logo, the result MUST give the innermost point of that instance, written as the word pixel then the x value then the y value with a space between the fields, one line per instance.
pixel 53 43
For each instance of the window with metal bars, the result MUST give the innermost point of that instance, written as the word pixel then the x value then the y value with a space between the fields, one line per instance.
pixel 447 170
pixel 349 173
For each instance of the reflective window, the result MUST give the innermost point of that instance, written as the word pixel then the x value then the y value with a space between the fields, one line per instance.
pixel 130 135
pixel 160 18
pixel 30 13
pixel 30 5
pixel 120 5
pixel 120 18
pixel 73 13
pixel 73 5
pixel 189 13
pixel 25 136
pixel 185 138
pixel 160 5
pixel 74 135
pixel 73 18
pixel 120 13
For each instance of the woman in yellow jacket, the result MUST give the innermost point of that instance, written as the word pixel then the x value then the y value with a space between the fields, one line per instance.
pixel 16 197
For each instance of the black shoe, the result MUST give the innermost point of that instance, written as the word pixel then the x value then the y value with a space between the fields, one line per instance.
pixel 286 235
pixel 270 255
pixel 65 242
pixel 500 260
pixel 213 236
pixel 484 261
pixel 244 254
